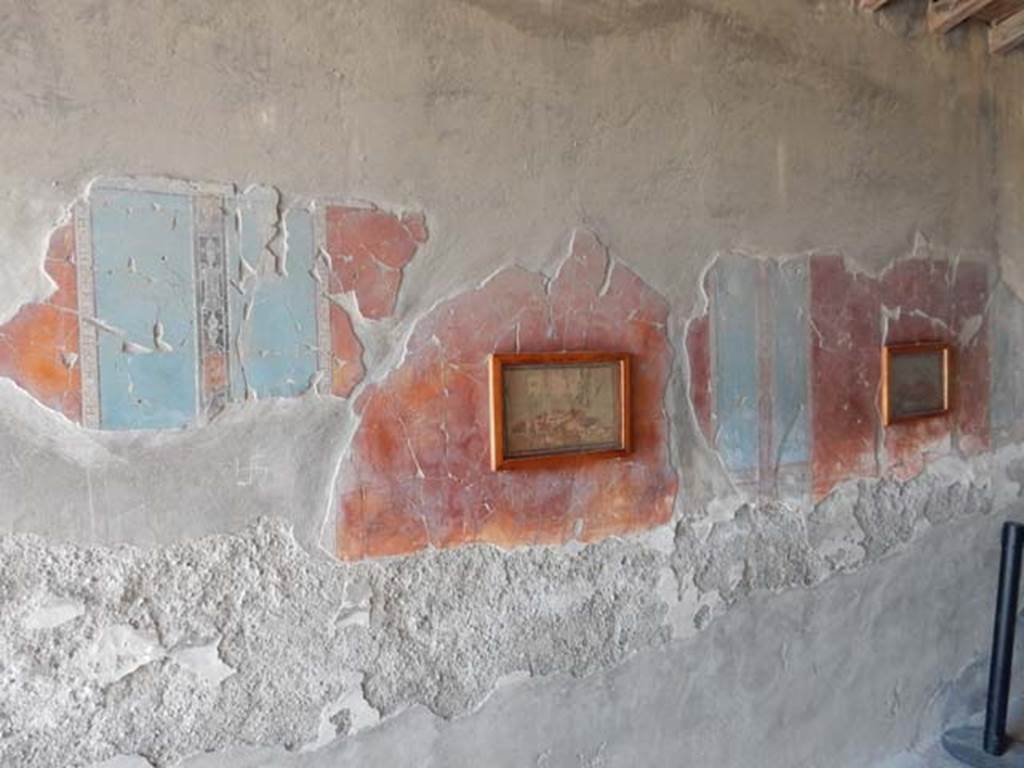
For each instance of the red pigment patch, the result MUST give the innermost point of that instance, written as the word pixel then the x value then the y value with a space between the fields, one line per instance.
pixel 419 474
pixel 845 371
pixel 926 301
pixel 346 354
pixel 368 249
pixel 39 346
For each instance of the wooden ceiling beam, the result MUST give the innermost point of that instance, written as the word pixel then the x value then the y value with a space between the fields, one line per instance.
pixel 1007 33
pixel 943 15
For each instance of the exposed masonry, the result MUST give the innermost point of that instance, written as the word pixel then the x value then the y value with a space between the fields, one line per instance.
pixel 248 639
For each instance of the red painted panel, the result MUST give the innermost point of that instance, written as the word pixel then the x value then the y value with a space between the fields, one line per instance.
pixel 39 346
pixel 974 378
pixel 854 316
pixel 419 474
pixel 368 249
pixel 845 369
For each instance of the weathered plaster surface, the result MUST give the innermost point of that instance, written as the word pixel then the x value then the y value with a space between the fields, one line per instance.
pixel 290 634
pixel 735 695
pixel 171 592
pixel 678 135
pixel 419 473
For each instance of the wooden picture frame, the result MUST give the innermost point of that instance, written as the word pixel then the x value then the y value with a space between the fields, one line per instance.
pixel 558 407
pixel 916 381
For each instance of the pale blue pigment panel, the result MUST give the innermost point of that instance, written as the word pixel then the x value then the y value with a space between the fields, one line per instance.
pixel 278 345
pixel 142 251
pixel 734 303
pixel 790 433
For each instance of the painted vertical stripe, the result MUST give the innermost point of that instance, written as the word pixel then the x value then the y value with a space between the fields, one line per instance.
pixel 278 336
pixel 1007 378
pixel 736 361
pixel 791 341
pixel 211 304
pixel 88 340
pixel 845 370
pixel 324 330
pixel 698 345
pixel 145 309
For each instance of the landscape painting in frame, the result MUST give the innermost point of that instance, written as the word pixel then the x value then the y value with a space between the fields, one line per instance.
pixel 915 381
pixel 547 408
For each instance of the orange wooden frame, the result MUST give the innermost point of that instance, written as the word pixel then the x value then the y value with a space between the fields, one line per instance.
pixel 499 459
pixel 893 350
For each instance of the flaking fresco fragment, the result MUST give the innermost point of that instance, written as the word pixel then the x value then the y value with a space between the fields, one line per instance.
pixel 368 249
pixel 785 368
pixel 177 298
pixel 419 473
pixel 39 346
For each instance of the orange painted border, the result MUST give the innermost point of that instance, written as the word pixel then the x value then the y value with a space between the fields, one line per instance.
pixel 497 363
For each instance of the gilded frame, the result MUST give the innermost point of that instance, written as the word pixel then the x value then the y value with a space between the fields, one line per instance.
pixel 891 351
pixel 503 459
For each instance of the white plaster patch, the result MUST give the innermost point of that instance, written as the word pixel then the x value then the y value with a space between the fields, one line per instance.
pixel 358 618
pixel 119 650
pixel 53 612
pixel 970 329
pixel 123 761
pixel 205 662
pixel 361 714
pixel 512 678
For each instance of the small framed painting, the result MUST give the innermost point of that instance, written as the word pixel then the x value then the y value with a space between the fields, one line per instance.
pixel 547 408
pixel 915 381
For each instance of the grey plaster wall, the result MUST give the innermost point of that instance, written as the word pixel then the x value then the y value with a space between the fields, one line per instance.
pixel 165 595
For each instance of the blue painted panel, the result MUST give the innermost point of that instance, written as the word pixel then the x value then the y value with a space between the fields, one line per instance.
pixel 790 430
pixel 736 371
pixel 142 249
pixel 278 342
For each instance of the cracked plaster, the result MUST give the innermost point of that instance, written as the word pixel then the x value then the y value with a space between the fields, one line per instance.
pixel 230 514
pixel 438 629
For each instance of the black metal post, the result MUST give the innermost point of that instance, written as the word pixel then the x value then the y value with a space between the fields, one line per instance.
pixel 994 739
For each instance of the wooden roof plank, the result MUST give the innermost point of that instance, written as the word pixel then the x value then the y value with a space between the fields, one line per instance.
pixel 1007 33
pixel 943 15
pixel 999 10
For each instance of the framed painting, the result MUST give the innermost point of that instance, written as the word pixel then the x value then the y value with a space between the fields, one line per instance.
pixel 915 381
pixel 553 407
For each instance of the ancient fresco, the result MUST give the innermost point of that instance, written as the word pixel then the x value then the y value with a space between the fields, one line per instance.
pixel 39 347
pixel 176 298
pixel 173 300
pixel 419 472
pixel 368 249
pixel 786 367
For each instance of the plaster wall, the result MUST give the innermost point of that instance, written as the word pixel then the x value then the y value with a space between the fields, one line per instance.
pixel 228 552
